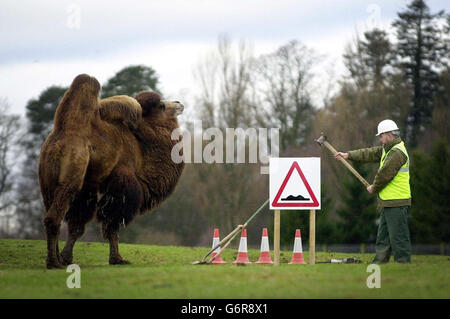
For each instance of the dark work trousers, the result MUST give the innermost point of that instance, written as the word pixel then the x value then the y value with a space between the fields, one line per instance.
pixel 393 235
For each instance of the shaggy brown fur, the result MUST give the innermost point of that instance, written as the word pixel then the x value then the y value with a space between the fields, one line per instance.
pixel 158 174
pixel 121 109
pixel 140 184
pixel 98 159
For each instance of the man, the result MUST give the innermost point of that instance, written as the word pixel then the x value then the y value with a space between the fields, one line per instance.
pixel 394 194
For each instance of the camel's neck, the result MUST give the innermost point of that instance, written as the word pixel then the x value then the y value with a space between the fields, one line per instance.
pixel 157 135
pixel 158 139
pixel 160 174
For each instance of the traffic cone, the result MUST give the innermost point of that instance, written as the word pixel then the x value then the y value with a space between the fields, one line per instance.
pixel 264 256
pixel 297 255
pixel 242 256
pixel 216 240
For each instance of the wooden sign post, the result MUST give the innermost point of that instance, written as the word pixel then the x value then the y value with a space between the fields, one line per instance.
pixel 295 185
pixel 312 237
pixel 276 238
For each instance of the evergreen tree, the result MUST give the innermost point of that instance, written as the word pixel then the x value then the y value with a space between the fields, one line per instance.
pixel 447 41
pixel 40 113
pixel 420 50
pixel 364 97
pixel 131 80
pixel 441 111
pixel 430 187
pixel 358 212
pixel 368 58
pixel 377 53
pixel 326 226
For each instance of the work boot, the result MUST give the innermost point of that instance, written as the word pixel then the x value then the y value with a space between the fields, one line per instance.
pixel 381 258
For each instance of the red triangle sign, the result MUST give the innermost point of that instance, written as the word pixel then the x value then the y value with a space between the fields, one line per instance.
pixel 276 202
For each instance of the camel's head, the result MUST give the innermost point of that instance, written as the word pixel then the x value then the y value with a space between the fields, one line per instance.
pixel 155 108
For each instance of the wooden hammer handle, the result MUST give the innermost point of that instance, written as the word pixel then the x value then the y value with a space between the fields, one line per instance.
pixel 362 180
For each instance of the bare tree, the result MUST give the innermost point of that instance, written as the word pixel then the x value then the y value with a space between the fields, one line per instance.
pixel 285 78
pixel 9 128
pixel 226 100
pixel 225 80
pixel 205 74
pixel 235 90
pixel 9 133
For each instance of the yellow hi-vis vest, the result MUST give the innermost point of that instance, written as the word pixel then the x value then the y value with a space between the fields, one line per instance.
pixel 398 187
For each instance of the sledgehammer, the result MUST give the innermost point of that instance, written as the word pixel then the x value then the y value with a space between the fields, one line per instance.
pixel 322 140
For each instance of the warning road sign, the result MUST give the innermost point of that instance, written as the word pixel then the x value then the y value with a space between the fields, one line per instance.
pixel 294 183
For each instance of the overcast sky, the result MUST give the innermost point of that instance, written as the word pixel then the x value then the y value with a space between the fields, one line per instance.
pixel 44 43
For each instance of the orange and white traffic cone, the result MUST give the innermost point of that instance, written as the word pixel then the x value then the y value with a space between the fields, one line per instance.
pixel 264 256
pixel 297 255
pixel 242 256
pixel 216 240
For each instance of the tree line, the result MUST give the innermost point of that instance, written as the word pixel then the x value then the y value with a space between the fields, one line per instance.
pixel 405 77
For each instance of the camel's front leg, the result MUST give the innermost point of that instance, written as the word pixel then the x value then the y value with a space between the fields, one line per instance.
pixel 111 232
pixel 81 212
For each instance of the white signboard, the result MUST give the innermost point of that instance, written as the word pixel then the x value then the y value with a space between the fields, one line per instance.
pixel 294 183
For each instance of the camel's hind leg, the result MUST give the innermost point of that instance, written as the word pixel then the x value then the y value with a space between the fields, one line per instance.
pixel 52 222
pixel 80 213
pixel 73 169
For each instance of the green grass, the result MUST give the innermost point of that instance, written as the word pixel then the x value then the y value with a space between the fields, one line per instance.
pixel 166 272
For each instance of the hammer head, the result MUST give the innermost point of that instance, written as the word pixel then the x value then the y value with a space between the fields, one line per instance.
pixel 321 139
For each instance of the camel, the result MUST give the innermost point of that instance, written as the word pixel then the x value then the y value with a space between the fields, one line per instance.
pixel 93 163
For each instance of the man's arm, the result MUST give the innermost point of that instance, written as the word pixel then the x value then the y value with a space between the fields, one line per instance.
pixel 366 155
pixel 394 161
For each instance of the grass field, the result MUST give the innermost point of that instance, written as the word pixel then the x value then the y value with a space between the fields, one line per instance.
pixel 166 272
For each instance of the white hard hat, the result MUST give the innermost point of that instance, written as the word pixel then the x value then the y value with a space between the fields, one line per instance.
pixel 386 126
